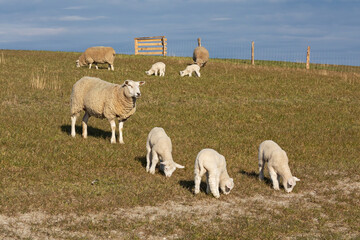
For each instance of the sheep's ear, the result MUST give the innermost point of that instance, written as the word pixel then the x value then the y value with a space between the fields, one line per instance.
pixel 179 166
pixel 141 83
pixel 296 179
pixel 126 82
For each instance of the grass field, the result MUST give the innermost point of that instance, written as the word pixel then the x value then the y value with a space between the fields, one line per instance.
pixel 46 175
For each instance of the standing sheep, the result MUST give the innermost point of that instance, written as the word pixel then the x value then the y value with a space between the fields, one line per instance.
pixel 213 164
pixel 190 69
pixel 159 147
pixel 97 55
pixel 278 165
pixel 157 67
pixel 102 99
pixel 200 55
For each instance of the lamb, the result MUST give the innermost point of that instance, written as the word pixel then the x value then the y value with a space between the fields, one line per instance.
pixel 157 67
pixel 200 55
pixel 278 166
pixel 97 55
pixel 159 147
pixel 102 99
pixel 190 69
pixel 213 164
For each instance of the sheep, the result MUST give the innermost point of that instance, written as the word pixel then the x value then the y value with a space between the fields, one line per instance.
pixel 159 147
pixel 213 164
pixel 97 55
pixel 102 99
pixel 190 69
pixel 278 166
pixel 200 55
pixel 157 67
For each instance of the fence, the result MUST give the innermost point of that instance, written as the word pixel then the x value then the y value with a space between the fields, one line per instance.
pixel 145 45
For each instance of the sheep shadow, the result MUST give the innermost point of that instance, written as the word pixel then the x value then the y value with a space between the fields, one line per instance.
pixel 256 176
pixel 142 160
pixel 94 132
pixel 189 185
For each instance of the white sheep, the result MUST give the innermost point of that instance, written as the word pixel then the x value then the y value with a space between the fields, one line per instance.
pixel 102 99
pixel 278 166
pixel 190 69
pixel 97 55
pixel 213 164
pixel 155 68
pixel 200 55
pixel 159 147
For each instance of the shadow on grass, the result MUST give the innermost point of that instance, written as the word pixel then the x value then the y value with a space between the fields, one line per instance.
pixel 189 185
pixel 256 176
pixel 142 160
pixel 94 132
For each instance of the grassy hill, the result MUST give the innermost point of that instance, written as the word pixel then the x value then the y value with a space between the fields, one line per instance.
pixel 46 175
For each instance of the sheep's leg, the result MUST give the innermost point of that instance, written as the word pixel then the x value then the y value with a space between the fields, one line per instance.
pixel 109 67
pixel 261 167
pixel 112 67
pixel 90 65
pixel 190 74
pixel 113 127
pixel 73 121
pixel 84 124
pixel 121 126
pixel 207 184
pixel 156 72
pixel 154 161
pixel 214 186
pixel 274 178
pixel 197 181
pixel 96 66
pixel 148 148
pixel 197 73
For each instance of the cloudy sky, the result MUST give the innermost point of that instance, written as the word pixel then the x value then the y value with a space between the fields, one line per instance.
pixel 227 27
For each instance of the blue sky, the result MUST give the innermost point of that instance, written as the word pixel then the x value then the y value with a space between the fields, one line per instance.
pixel 281 29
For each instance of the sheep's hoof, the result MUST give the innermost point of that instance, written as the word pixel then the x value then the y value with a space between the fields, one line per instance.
pixel 217 196
pixel 122 142
pixel 112 141
pixel 196 191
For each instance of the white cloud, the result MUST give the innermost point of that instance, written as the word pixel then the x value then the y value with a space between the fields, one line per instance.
pixel 79 18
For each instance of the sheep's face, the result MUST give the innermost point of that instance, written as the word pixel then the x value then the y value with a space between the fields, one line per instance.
pixel 182 73
pixel 291 184
pixel 133 88
pixel 169 168
pixel 148 72
pixel 229 185
pixel 77 63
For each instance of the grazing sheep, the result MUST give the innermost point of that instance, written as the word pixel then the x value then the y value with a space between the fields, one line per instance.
pixel 97 55
pixel 200 55
pixel 159 147
pixel 190 69
pixel 103 100
pixel 213 164
pixel 278 166
pixel 157 67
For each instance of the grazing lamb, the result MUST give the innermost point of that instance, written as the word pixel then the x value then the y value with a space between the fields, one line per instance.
pixel 190 69
pixel 159 147
pixel 200 55
pixel 157 67
pixel 97 55
pixel 214 165
pixel 103 100
pixel 278 166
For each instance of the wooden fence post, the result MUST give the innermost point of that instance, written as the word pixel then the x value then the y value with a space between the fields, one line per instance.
pixel 252 53
pixel 308 58
pixel 199 42
pixel 136 47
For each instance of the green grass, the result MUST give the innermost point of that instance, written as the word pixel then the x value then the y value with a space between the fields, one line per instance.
pixel 46 175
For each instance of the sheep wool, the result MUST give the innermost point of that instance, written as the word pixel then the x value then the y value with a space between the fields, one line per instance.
pixel 97 55
pixel 213 164
pixel 200 56
pixel 102 99
pixel 156 68
pixel 278 164
pixel 190 69
pixel 159 147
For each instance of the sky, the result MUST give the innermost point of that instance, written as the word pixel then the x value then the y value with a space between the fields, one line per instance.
pixel 281 29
